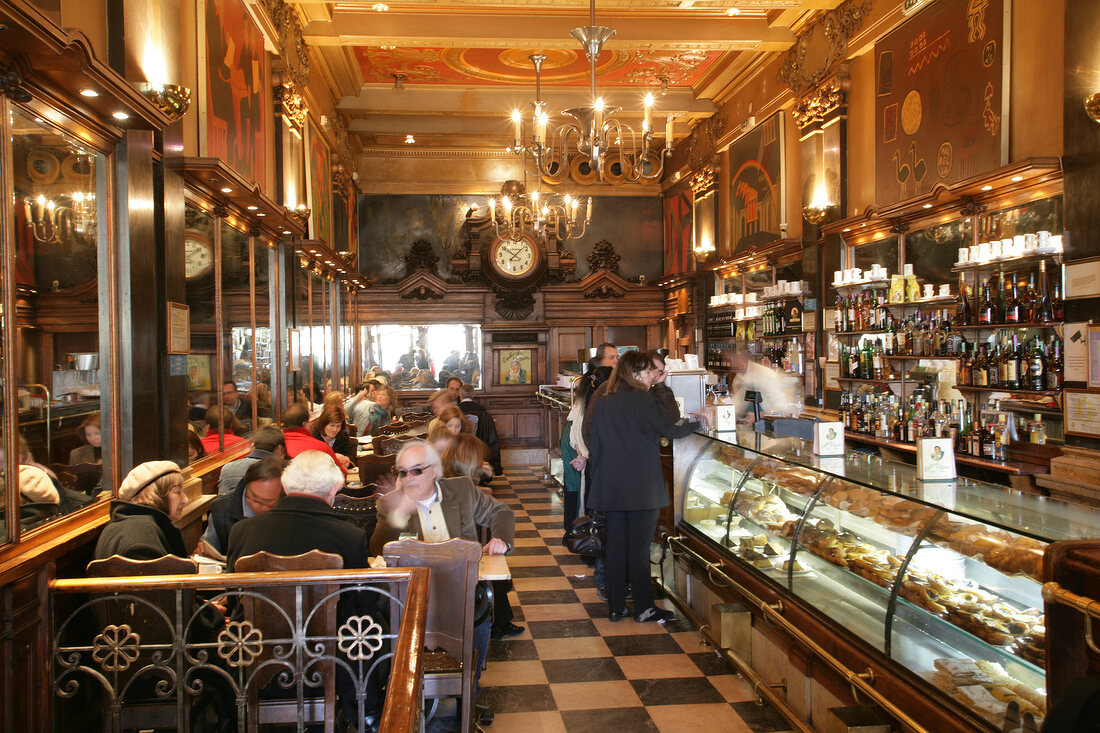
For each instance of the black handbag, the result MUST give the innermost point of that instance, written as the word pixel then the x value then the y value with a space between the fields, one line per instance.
pixel 587 535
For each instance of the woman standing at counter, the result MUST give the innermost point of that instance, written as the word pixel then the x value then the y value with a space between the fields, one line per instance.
pixel 629 487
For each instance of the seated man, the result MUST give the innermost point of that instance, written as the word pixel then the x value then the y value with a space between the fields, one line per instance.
pixel 221 419
pixel 267 442
pixel 485 427
pixel 439 509
pixel 258 492
pixel 440 400
pixel 304 520
pixel 297 435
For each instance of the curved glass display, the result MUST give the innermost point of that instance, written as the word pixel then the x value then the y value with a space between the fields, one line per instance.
pixel 943 577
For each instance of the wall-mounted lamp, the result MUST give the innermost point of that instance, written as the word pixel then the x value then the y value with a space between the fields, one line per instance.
pixel 171 99
pixel 300 214
pixel 52 223
pixel 703 250
pixel 818 214
pixel 1092 106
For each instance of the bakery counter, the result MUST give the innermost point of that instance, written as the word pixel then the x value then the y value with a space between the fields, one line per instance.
pixel 938 583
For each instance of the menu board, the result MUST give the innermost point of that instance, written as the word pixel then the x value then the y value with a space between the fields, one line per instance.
pixel 939 115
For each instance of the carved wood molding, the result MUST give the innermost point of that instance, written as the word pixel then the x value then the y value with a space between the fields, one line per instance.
pixel 819 105
pixel 11 85
pixel 703 142
pixel 291 104
pixel 821 46
pixel 705 179
pixel 603 257
pixel 514 305
pixel 421 256
pixel 422 285
pixel 289 40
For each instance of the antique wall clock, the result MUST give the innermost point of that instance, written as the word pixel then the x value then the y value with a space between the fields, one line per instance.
pixel 514 260
pixel 198 258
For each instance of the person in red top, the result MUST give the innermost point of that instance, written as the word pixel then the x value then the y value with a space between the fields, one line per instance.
pixel 217 418
pixel 298 437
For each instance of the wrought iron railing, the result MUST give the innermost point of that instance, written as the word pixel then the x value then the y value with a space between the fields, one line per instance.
pixel 159 652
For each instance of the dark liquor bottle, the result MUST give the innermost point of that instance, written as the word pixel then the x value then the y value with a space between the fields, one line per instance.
pixel 1029 301
pixel 1013 364
pixel 999 314
pixel 1037 367
pixel 1045 312
pixel 1055 369
pixel 1012 304
pixel 841 312
pixel 962 312
pixel 966 368
pixel 987 309
pixel 978 373
pixel 1057 305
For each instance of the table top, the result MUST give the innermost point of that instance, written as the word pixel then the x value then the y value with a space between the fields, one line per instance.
pixel 493 567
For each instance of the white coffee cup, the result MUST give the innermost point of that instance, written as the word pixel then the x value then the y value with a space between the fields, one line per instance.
pixel 838 277
pixel 1030 242
pixel 929 290
pixel 975 253
pixel 1044 239
pixel 995 249
pixel 1056 242
pixel 945 290
pixel 964 255
pixel 983 251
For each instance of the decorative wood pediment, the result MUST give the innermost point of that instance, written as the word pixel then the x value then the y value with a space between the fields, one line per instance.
pixel 604 284
pixel 422 285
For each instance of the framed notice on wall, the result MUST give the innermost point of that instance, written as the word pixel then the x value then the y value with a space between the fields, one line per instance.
pixel 179 328
pixel 1082 413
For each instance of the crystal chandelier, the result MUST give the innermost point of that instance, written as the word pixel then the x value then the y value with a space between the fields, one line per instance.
pixel 604 145
pixel 53 223
pixel 560 216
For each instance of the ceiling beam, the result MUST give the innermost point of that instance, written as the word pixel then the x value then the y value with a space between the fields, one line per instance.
pixel 530 30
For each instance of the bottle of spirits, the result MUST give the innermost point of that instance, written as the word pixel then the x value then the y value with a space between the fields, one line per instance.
pixel 1036 431
pixel 1012 304
pixel 987 309
pixel 1030 301
pixel 962 311
pixel 966 369
pixel 1001 303
pixel 1055 373
pixel 840 313
pixel 877 361
pixel 1036 366
pixel 1046 313
pixel 1057 305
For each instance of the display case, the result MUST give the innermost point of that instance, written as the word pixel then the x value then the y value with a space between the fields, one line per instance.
pixel 943 578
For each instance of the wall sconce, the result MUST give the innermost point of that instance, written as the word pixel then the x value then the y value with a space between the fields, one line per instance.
pixel 171 99
pixel 300 214
pixel 1092 106
pixel 703 250
pixel 820 213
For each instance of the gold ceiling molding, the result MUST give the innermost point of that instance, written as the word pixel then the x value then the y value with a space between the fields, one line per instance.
pixel 414 152
pixel 821 46
pixel 292 105
pixel 705 179
pixel 817 106
pixel 289 40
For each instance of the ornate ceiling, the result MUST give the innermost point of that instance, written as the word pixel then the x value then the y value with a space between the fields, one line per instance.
pixel 449 72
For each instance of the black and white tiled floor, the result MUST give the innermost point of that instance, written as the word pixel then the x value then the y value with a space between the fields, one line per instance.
pixel 573 670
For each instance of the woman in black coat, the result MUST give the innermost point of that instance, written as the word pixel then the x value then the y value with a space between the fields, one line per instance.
pixel 150 499
pixel 629 487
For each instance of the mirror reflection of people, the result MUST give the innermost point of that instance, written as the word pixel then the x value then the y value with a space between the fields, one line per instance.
pixel 746 374
pixel 221 419
pixel 92 450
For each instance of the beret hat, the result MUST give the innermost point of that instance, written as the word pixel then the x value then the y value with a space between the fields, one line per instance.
pixel 143 475
pixel 35 485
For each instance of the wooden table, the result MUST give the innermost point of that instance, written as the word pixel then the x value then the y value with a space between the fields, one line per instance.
pixel 493 567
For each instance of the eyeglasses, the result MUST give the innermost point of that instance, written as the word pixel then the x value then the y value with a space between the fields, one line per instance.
pixel 257 500
pixel 414 471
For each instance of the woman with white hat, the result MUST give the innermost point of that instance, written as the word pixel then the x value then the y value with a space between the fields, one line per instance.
pixel 150 499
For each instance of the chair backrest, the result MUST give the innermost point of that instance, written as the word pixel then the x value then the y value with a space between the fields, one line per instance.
pixel 117 566
pixel 264 561
pixel 393 428
pixel 392 445
pixel 371 467
pixel 451 586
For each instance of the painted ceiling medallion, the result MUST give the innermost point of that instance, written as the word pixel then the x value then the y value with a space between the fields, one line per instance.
pixel 490 64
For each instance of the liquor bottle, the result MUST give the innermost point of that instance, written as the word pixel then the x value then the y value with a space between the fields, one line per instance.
pixel 1057 305
pixel 1036 431
pixel 1012 305
pixel 1001 439
pixel 852 312
pixel 853 363
pixel 877 360
pixel 987 309
pixel 939 420
pixel 989 442
pixel 867 361
pixel 1046 313
pixel 840 313
pixel 1029 304
pixel 1055 369
pixel 1037 366
pixel 966 369
pixel 1013 364
pixel 962 312
pixel 842 411
pixel 888 338
pixel 1001 303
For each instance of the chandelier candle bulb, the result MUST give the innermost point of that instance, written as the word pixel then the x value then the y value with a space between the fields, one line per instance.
pixel 588 214
pixel 517 127
pixel 540 125
pixel 668 133
pixel 647 108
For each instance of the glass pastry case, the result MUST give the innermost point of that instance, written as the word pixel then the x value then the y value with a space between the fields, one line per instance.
pixel 943 578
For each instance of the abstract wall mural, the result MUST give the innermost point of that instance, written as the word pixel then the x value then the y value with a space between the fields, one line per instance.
pixel 237 120
pixel 756 186
pixel 678 228
pixel 320 186
pixel 938 98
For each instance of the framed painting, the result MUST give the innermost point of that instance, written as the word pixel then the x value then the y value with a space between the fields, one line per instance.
pixel 320 186
pixel 198 372
pixel 940 101
pixel 237 117
pixel 756 191
pixel 515 366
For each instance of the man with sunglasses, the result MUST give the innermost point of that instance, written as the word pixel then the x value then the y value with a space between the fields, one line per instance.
pixel 438 509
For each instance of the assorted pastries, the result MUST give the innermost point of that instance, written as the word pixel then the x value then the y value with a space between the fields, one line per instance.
pixel 986 688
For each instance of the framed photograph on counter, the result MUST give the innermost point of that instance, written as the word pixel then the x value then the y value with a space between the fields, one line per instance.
pixel 1082 413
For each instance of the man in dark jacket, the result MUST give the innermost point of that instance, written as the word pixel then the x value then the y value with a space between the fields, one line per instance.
pixel 257 492
pixel 267 442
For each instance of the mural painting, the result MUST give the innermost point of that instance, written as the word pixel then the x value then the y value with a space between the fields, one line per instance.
pixel 756 186
pixel 236 118
pixel 320 187
pixel 678 228
pixel 939 97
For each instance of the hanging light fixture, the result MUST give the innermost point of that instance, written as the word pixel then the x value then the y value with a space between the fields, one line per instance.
pixel 516 212
pixel 607 146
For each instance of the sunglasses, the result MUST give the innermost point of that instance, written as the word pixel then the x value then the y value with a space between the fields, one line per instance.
pixel 414 471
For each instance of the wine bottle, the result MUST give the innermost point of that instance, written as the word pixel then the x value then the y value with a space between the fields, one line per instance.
pixel 1012 304
pixel 962 312
pixel 1030 301
pixel 1057 305
pixel 1046 313
pixel 1037 366
pixel 1001 304
pixel 987 309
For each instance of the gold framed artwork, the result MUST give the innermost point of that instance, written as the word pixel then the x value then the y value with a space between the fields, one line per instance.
pixel 198 373
pixel 515 366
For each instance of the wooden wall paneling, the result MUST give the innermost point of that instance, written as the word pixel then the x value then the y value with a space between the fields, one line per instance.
pixel 565 341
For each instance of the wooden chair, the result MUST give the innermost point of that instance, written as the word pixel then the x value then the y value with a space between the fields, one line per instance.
pixel 271 623
pixel 359 510
pixel 449 633
pixel 392 445
pixel 371 467
pixel 143 709
pixel 393 428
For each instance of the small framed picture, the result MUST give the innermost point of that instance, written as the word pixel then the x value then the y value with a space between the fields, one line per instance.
pixel 515 366
pixel 293 350
pixel 1082 413
pixel 198 372
pixel 179 328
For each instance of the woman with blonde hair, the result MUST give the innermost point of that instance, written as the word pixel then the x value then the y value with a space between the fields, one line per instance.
pixel 467 455
pixel 439 436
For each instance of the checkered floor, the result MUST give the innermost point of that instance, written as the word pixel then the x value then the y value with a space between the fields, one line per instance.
pixel 573 670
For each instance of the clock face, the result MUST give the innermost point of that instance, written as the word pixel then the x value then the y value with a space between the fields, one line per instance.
pixel 198 258
pixel 514 257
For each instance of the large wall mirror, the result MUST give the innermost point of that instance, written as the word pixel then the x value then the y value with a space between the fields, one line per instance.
pixel 201 283
pixel 423 357
pixel 59 360
pixel 235 385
